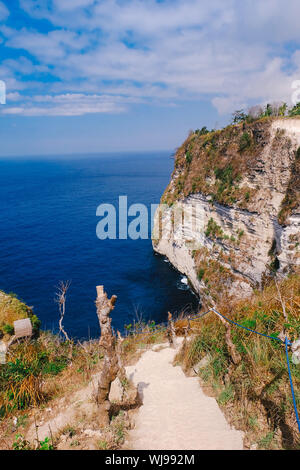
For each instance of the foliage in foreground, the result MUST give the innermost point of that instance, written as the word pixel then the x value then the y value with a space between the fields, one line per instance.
pixel 255 394
pixel 25 380
pixel 12 309
pixel 21 443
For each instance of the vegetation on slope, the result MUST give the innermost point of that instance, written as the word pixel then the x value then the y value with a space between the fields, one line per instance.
pixel 215 162
pixel 40 369
pixel 255 394
pixel 12 309
pixel 292 197
pixel 44 369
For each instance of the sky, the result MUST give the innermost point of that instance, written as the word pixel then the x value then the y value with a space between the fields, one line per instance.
pixel 86 76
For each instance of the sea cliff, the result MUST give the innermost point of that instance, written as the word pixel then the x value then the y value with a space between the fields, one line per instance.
pixel 237 191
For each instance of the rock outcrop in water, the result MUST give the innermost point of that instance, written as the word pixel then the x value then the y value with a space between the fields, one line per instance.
pixel 231 212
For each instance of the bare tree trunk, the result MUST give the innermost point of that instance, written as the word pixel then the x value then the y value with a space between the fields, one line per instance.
pixel 282 302
pixel 282 335
pixel 111 362
pixel 61 297
pixel 172 332
pixel 104 306
pixel 236 358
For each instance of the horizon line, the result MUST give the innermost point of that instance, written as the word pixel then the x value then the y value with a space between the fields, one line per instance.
pixel 109 152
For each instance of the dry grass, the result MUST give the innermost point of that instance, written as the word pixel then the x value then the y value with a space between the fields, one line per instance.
pixel 256 394
pixel 39 370
pixel 214 163
pixel 141 338
pixel 216 277
pixel 12 309
pixel 292 198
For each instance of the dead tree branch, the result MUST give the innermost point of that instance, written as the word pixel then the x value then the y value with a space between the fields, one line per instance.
pixel 281 301
pixel 282 334
pixel 235 356
pixel 60 299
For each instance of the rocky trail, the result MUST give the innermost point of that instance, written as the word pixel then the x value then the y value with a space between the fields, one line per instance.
pixel 175 414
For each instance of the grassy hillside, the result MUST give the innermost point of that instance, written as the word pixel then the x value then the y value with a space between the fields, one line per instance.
pixel 214 163
pixel 255 394
pixel 12 309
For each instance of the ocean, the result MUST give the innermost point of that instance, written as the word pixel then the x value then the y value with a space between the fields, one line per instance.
pixel 48 233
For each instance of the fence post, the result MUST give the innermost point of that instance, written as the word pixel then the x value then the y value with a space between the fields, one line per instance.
pixel 172 332
pixel 231 346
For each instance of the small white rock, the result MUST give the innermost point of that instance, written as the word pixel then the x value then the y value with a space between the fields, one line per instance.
pixel 116 391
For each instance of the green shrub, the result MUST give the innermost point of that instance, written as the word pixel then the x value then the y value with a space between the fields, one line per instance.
pixel 8 329
pixel 12 309
pixel 21 443
pixel 213 230
pixel 200 273
pixel 202 131
pixel 239 116
pixel 226 395
pixel 21 377
pixel 295 111
pixel 36 323
pixel 189 157
pixel 225 175
pixel 245 141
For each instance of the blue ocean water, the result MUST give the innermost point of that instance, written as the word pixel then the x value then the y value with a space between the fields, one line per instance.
pixel 48 233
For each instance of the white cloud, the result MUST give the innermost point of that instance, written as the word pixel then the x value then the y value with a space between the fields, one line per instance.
pixel 234 52
pixel 48 47
pixel 66 5
pixel 4 12
pixel 69 104
pixel 13 96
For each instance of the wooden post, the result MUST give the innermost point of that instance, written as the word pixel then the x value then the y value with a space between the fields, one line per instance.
pixel 231 346
pixel 121 372
pixel 187 329
pixel 172 332
pixel 111 363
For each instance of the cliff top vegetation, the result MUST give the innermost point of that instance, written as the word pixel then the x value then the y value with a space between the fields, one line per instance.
pixel 215 163
pixel 12 309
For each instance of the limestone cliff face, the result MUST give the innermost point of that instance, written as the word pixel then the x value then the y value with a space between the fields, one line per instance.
pixel 231 213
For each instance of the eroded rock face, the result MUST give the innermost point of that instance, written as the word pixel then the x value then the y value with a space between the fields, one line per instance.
pixel 238 243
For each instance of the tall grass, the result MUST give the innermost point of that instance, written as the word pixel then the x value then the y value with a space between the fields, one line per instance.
pixel 12 309
pixel 256 390
pixel 39 369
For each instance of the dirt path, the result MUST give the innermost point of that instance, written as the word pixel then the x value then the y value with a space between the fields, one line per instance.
pixel 176 414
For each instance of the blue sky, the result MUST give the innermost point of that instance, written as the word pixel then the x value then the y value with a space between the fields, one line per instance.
pixel 112 75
